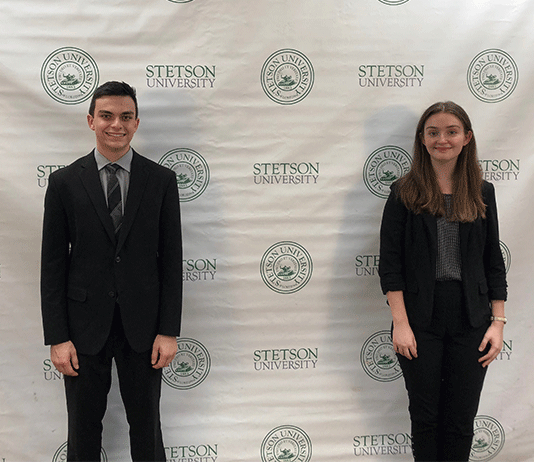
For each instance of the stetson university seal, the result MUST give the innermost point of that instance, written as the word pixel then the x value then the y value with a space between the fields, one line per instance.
pixel 488 439
pixel 61 454
pixel 69 75
pixel 286 443
pixel 286 267
pixel 190 366
pixel 383 167
pixel 492 76
pixel 506 255
pixel 393 2
pixel 287 76
pixel 192 172
pixel 378 358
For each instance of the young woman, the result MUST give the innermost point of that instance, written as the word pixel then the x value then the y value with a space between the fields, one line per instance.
pixel 443 273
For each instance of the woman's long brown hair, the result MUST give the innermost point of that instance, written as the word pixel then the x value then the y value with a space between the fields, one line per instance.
pixel 419 189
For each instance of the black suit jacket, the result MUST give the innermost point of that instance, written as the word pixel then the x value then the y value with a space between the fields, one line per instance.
pixel 408 254
pixel 84 272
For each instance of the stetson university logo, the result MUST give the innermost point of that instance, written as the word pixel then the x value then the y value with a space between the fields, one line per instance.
pixel 275 359
pixel 199 269
pixel 286 267
pixel 500 169
pixel 391 75
pixel 180 76
pixel 492 76
pixel 192 452
pixel 190 366
pixel 366 265
pixel 286 444
pixel 287 76
pixel 393 2
pixel 383 167
pixel 69 75
pixel 378 358
pixel 61 454
pixel 506 254
pixel 383 444
pixel 192 172
pixel 488 439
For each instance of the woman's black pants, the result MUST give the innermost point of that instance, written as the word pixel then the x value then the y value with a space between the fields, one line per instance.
pixel 445 381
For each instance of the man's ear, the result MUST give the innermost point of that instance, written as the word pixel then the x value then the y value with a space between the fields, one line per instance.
pixel 90 122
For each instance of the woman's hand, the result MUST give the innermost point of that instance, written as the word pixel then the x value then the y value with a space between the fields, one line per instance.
pixel 493 337
pixel 404 341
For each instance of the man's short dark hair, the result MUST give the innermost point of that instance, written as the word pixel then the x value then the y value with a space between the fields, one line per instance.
pixel 113 88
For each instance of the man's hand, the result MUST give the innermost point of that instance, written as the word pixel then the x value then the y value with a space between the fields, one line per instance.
pixel 64 357
pixel 163 351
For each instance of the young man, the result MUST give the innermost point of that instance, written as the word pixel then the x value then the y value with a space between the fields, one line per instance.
pixel 111 279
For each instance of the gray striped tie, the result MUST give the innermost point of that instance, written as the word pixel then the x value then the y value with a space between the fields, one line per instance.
pixel 114 196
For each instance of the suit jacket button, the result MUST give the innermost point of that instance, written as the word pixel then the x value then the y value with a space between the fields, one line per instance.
pixel 111 294
pixel 117 259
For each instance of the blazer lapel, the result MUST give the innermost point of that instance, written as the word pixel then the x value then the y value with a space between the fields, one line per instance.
pixel 91 181
pixel 431 224
pixel 138 180
pixel 465 229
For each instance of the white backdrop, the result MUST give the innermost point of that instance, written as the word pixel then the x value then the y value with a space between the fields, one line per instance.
pixel 285 123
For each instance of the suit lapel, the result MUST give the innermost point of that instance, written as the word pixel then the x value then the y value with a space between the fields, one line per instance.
pixel 138 181
pixel 91 181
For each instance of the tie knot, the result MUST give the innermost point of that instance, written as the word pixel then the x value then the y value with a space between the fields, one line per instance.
pixel 112 168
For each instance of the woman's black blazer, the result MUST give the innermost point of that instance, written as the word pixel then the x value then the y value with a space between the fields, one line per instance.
pixel 408 254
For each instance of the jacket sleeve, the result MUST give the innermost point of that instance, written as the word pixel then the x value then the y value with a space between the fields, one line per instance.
pixel 392 235
pixel 493 259
pixel 54 267
pixel 170 261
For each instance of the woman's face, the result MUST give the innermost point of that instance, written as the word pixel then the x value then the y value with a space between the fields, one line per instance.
pixel 444 137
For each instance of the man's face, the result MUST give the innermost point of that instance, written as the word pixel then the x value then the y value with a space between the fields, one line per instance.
pixel 114 124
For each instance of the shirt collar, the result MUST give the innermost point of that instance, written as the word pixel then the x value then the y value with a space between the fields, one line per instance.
pixel 125 161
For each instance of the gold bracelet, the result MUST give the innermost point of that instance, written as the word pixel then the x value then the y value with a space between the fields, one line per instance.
pixel 497 318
